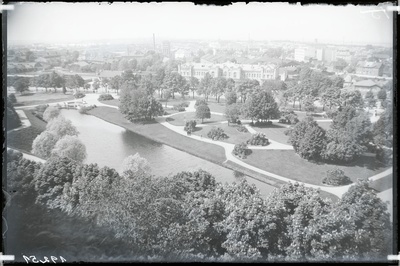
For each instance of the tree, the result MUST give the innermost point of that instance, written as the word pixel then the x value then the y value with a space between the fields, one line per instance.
pixel 274 85
pixel 308 139
pixel 352 98
pixel 247 87
pixel 166 96
pixel 137 105
pixel 383 129
pixel 176 83
pixel 232 113
pixel 13 120
pixel 261 105
pixel 55 80
pixel 331 97
pixel 194 83
pixel 370 99
pixel 115 83
pixel 205 86
pixel 134 166
pixel 74 82
pixel 218 87
pixel 309 104
pixel 12 98
pixel 50 113
pixel 21 85
pixel 44 143
pixel 382 95
pixel 230 97
pixel 70 147
pixel 55 175
pixel 203 111
pixel 190 126
pixel 61 127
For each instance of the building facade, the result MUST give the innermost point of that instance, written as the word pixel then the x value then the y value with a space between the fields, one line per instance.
pixel 369 68
pixel 237 72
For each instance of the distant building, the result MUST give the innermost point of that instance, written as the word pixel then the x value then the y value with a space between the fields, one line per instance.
pixel 369 68
pixel 237 72
pixel 366 85
pixel 343 54
pixel 182 54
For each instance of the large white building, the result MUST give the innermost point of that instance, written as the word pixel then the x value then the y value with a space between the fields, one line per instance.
pixel 237 72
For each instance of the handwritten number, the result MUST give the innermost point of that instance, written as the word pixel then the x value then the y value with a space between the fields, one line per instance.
pixel 45 260
pixel 53 259
pixel 26 258
pixel 62 259
pixel 34 260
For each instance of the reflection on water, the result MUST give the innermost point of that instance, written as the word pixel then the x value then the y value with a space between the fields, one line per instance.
pixel 108 145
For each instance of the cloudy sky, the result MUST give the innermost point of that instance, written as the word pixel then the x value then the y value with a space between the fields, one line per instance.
pixel 65 22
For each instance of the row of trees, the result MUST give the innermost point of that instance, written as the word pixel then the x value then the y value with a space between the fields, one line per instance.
pixel 189 216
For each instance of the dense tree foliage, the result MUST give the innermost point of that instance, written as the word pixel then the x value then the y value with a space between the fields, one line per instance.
pixel 50 113
pixel 230 97
pixel 202 112
pixel 13 120
pixel 232 113
pixel 70 147
pixel 217 133
pixel 261 105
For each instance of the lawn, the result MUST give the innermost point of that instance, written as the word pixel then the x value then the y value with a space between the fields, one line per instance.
pixel 179 119
pixel 274 132
pixel 114 102
pixel 159 133
pixel 42 98
pixel 235 137
pixel 22 139
pixel 382 184
pixel 299 169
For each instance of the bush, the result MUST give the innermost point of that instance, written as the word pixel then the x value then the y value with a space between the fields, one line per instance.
pixel 85 109
pixel 217 134
pixel 79 95
pixel 263 123
pixel 180 107
pixel 190 126
pixel 258 139
pixel 336 177
pixel 238 174
pixel 200 102
pixel 241 150
pixel 39 110
pixel 242 129
pixel 12 98
pixel 50 113
pixel 105 97
pixel 288 117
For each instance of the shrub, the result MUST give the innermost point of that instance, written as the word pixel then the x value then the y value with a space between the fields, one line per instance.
pixel 180 107
pixel 217 134
pixel 288 117
pixel 50 113
pixel 12 98
pixel 190 126
pixel 238 174
pixel 241 150
pixel 336 177
pixel 105 97
pixel 85 109
pixel 39 110
pixel 263 123
pixel 200 102
pixel 258 139
pixel 242 129
pixel 79 95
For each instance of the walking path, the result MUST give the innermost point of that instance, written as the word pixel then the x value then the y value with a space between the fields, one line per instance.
pixel 29 156
pixel 24 121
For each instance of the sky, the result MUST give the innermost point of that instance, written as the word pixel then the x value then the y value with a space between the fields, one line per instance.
pixel 72 22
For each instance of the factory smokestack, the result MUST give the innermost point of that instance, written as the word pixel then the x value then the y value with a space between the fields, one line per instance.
pixel 154 42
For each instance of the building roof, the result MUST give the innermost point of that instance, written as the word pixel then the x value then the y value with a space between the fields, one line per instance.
pixel 366 64
pixel 109 73
pixel 365 83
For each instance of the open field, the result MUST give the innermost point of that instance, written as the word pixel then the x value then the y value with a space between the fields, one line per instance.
pixel 22 139
pixel 159 133
pixel 179 119
pixel 42 98
pixel 114 102
pixel 289 164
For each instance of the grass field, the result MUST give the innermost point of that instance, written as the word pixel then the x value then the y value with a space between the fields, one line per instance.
pixel 274 132
pixel 289 164
pixel 179 119
pixel 114 102
pixel 22 139
pixel 42 98
pixel 382 184
pixel 159 133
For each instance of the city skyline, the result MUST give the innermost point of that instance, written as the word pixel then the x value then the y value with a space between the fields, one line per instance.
pixel 255 21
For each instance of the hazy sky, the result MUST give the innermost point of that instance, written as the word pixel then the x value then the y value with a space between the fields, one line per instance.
pixel 61 22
